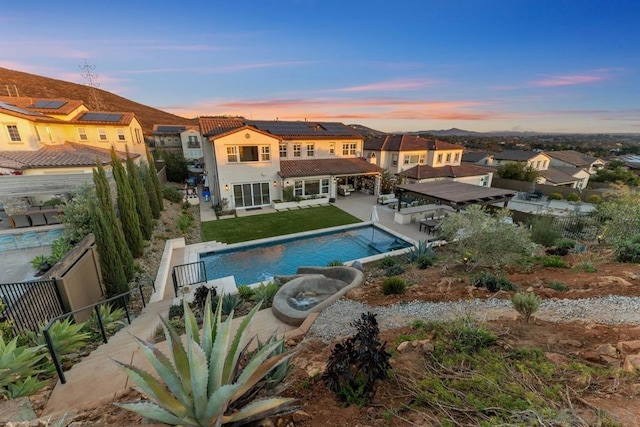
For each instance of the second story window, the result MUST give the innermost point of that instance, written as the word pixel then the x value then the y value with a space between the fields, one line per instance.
pixel 394 160
pixel 421 159
pixel 102 134
pixel 439 158
pixel 448 157
pixel 332 148
pixel 121 135
pixel 297 150
pixel 456 158
pixel 310 150
pixel 283 151
pixel 265 153
pixel 349 149
pixel 232 154
pixel 35 128
pixel 14 135
pixel 193 142
pixel 82 134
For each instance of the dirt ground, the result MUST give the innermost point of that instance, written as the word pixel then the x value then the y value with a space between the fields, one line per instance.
pixel 442 282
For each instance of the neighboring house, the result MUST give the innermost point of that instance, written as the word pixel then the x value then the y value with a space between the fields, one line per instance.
pixel 478 158
pixel 250 163
pixel 466 173
pixel 537 160
pixel 564 176
pixel 572 158
pixel 185 139
pixel 397 153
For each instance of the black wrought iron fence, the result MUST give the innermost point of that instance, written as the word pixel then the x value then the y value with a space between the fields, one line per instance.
pixel 30 304
pixel 193 273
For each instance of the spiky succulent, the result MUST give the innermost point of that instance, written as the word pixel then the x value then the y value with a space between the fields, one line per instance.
pixel 204 380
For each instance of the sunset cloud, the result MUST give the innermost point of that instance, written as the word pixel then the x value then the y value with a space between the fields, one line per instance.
pixel 568 80
pixel 394 85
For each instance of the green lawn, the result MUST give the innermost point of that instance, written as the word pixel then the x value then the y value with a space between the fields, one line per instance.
pixel 253 227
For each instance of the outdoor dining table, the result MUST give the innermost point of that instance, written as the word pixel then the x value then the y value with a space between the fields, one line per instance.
pixel 429 225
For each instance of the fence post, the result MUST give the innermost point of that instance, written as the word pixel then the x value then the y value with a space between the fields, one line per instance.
pixel 141 295
pixel 54 356
pixel 104 333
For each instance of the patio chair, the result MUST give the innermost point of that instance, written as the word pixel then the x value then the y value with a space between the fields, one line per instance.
pixel 37 219
pixel 8 243
pixel 52 218
pixel 53 235
pixel 19 221
pixel 31 240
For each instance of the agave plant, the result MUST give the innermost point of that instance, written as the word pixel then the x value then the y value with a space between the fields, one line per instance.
pixel 203 382
pixel 111 319
pixel 67 337
pixel 18 369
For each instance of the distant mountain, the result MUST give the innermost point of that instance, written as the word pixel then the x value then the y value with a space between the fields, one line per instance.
pixel 32 85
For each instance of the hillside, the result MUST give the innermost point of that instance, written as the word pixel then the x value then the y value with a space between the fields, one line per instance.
pixel 32 85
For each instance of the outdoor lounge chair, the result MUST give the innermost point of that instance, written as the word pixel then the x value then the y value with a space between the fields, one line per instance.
pixel 52 218
pixel 19 221
pixel 37 219
pixel 31 240
pixel 8 243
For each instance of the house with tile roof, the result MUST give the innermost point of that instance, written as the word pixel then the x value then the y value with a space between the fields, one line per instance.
pixel 184 139
pixel 59 138
pixel 251 163
pixel 419 160
pixel 572 158
pixel 537 160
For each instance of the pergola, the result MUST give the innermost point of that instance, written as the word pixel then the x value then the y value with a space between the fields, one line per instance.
pixel 33 185
pixel 454 194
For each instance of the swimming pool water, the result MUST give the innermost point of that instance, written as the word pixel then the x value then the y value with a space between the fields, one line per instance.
pixel 259 263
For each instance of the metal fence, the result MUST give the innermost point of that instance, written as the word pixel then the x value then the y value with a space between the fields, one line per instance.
pixel 30 304
pixel 188 274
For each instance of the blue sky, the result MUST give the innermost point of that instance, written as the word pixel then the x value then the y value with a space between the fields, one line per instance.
pixel 534 65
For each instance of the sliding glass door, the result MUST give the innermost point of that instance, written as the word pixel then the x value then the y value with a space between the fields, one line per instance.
pixel 251 194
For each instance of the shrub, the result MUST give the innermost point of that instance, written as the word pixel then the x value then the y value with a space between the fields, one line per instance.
pixel 394 286
pixel 176 310
pixel 468 337
pixel 554 261
pixel 67 337
pixel 555 196
pixel 394 270
pixel 388 261
pixel 246 292
pixel 544 231
pixel 266 293
pixel 425 261
pixel 59 249
pixel 423 249
pixel 6 326
pixel 628 250
pixel 526 304
pixel 356 364
pixel 557 286
pixel 205 383
pixel 335 263
pixel 229 303
pixel 19 368
pixel 491 282
pixel 40 263
pixel 112 319
pixel 573 197
pixel 172 194
pixel 200 296
pixel 565 243
pixel 594 199
pixel 184 223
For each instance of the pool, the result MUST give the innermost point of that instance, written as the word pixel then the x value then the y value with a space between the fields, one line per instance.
pixel 254 263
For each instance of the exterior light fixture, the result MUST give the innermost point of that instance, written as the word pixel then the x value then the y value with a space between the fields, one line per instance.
pixel 275 183
pixel 226 187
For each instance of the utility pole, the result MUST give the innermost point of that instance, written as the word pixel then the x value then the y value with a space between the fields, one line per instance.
pixel 90 77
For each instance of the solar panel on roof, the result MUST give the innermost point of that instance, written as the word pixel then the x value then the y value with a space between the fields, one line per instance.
pixel 100 117
pixel 48 104
pixel 15 109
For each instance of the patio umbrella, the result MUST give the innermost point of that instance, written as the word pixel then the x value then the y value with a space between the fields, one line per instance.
pixel 374 219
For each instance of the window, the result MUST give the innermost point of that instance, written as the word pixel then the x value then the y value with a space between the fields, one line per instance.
pixel 538 163
pixel 138 136
pixel 193 142
pixel 349 149
pixel 439 158
pixel 283 151
pixel 102 134
pixel 456 158
pixel 421 159
pixel 394 160
pixel 324 186
pixel 297 150
pixel 248 153
pixel 35 128
pixel 298 188
pixel 48 129
pixel 448 157
pixel 310 150
pixel 265 153
pixel 194 154
pixel 311 187
pixel 121 135
pixel 544 164
pixel 332 148
pixel 413 159
pixel 232 154
pixel 14 135
pixel 82 134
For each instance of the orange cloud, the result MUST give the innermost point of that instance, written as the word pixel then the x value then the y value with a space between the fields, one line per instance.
pixel 387 86
pixel 568 80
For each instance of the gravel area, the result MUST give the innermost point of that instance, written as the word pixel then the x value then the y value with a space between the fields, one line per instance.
pixel 335 321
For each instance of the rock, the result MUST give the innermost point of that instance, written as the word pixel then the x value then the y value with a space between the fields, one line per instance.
pixel 607 350
pixel 557 358
pixel 530 289
pixel 355 293
pixel 16 410
pixel 357 264
pixel 592 356
pixel 427 346
pixel 629 347
pixel 571 343
pixel 612 280
pixel 316 368
pixel 611 361
pixel 404 346
pixel 631 363
pixel 631 275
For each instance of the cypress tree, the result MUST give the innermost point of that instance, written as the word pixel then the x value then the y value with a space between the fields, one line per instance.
pixel 143 172
pixel 153 174
pixel 127 207
pixel 105 202
pixel 142 202
pixel 113 277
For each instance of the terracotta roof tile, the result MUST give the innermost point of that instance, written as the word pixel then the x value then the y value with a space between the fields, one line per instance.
pixel 318 167
pixel 425 172
pixel 572 157
pixel 27 103
pixel 557 176
pixel 63 155
pixel 515 155
pixel 212 126
pixel 407 143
